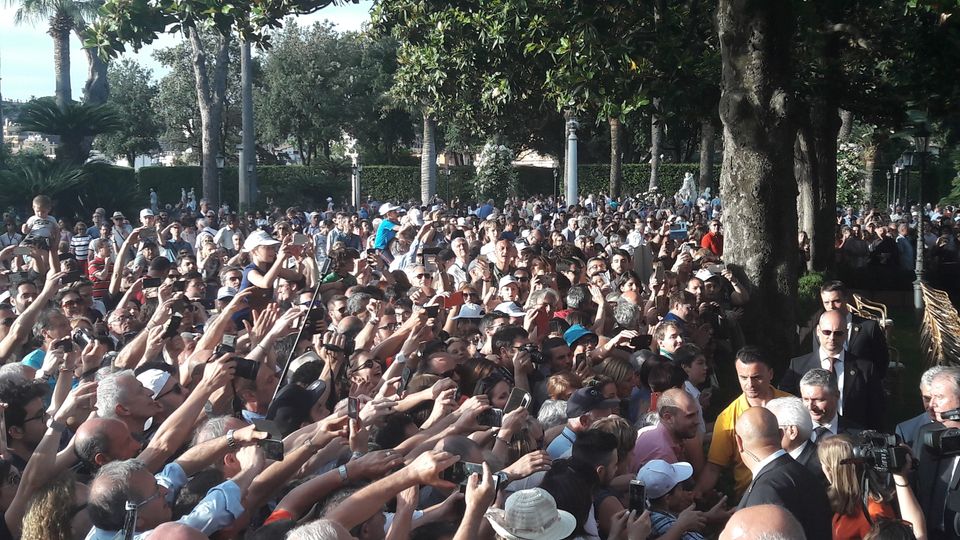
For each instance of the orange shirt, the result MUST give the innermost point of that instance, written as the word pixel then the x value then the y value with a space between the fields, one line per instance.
pixel 856 527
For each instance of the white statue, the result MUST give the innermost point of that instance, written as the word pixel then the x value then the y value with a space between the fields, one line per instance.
pixel 689 188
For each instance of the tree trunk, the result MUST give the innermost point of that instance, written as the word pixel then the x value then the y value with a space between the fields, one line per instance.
pixel 60 32
pixel 706 154
pixel 817 144
pixel 760 244
pixel 656 139
pixel 210 98
pixel 616 156
pixel 96 90
pixel 846 125
pixel 870 152
pixel 806 205
pixel 428 160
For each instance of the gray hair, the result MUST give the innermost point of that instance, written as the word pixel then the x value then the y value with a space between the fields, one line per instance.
pixel 48 317
pixel 626 314
pixel 111 393
pixel 949 373
pixel 213 428
pixel 15 371
pixel 821 378
pixel 790 411
pixel 552 413
pixel 357 303
pixel 929 375
pixel 110 492
pixel 321 529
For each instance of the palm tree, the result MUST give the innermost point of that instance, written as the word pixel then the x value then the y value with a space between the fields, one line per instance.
pixel 63 16
pixel 72 124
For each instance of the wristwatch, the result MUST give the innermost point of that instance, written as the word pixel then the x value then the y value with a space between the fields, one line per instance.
pixel 56 425
pixel 231 442
pixel 342 471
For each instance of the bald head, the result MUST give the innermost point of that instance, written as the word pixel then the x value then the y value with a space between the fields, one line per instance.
pixel 758 434
pixel 173 530
pixel 832 317
pixel 101 440
pixel 763 522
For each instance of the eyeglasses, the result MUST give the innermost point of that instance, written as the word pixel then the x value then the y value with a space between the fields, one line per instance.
pixel 366 365
pixel 389 326
pixel 832 332
pixel 42 415
pixel 176 388
pixel 425 276
pixel 147 501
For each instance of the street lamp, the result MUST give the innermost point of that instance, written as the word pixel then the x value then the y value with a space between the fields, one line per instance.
pixel 220 164
pixel 889 176
pixel 921 139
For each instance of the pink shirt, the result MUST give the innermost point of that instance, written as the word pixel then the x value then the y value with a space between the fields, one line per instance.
pixel 654 443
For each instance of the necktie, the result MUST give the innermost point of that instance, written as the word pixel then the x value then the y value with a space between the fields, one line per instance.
pixel 832 362
pixel 820 433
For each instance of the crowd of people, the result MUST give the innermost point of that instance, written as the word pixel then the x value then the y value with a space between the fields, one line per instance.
pixel 524 371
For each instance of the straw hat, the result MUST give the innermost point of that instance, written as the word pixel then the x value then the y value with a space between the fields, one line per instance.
pixel 531 514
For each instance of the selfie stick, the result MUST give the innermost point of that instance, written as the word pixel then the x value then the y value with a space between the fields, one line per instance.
pixel 286 365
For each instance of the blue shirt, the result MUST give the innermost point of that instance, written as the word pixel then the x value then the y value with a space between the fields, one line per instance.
pixel 562 444
pixel 385 232
pixel 661 522
pixel 218 509
pixel 484 211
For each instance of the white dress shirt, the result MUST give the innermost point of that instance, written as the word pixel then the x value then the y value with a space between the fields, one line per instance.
pixel 837 370
pixel 795 453
pixel 831 426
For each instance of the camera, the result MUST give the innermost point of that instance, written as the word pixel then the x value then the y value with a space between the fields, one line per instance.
pixel 943 442
pixel 880 451
pixel 535 355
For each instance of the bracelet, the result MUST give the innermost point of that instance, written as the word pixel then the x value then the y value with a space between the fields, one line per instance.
pixel 357 455
pixel 342 470
pixel 231 442
pixel 902 485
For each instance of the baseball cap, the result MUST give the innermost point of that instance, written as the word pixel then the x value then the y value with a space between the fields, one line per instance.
pixel 575 333
pixel 154 380
pixel 259 238
pixel 511 309
pixel 387 208
pixel 660 477
pixel 470 311
pixel 146 212
pixel 507 280
pixel 291 408
pixel 223 293
pixel 587 399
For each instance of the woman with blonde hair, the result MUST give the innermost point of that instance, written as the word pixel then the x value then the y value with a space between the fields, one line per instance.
pixel 58 511
pixel 854 510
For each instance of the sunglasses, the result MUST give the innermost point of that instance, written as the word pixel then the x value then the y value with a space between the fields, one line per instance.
pixel 425 276
pixel 832 332
pixel 366 365
pixel 389 326
pixel 522 279
pixel 175 388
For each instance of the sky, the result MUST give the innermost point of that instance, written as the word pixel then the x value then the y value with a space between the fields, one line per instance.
pixel 26 51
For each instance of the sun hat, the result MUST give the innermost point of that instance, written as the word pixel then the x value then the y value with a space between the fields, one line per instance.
pixel 118 215
pixel 587 399
pixel 660 477
pixel 146 212
pixel 387 208
pixel 259 238
pixel 531 514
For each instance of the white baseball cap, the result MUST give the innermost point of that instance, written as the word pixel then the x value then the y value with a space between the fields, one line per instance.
pixel 386 208
pixel 511 309
pixel 146 212
pixel 259 238
pixel 660 477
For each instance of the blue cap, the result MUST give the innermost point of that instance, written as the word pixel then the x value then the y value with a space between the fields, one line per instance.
pixel 575 333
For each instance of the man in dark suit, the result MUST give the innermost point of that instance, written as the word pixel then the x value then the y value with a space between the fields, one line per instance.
pixel 777 478
pixel 818 389
pixel 862 399
pixel 908 429
pixel 937 480
pixel 865 337
pixel 796 426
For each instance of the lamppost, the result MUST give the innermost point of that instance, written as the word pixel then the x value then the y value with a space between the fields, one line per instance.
pixel 449 197
pixel 556 182
pixel 889 176
pixel 921 138
pixel 572 181
pixel 220 164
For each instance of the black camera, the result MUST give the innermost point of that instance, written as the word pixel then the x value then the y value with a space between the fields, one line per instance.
pixel 535 355
pixel 880 451
pixel 943 442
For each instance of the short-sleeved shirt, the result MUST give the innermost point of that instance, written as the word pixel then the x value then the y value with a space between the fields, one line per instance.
pixel 38 226
pixel 655 442
pixel 562 444
pixel 385 232
pixel 723 448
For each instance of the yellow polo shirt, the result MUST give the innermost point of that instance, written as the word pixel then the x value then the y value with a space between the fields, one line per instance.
pixel 723 448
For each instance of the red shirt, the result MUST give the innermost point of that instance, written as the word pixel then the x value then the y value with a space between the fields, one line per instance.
pixel 713 242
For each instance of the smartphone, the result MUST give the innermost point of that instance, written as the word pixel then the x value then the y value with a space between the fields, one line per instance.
pixel 518 399
pixel 405 379
pixel 491 418
pixel 152 282
pixel 641 342
pixel 432 311
pixel 180 305
pixel 259 298
pixel 272 445
pixel 459 472
pixel 325 266
pixel 353 408
pixel 179 285
pixel 21 250
pixel 638 496
pixel 247 369
pixel 65 344
pixel 429 256
pixel 173 326
pixel 372 252
pixel 579 360
pixel 227 345
pixel 300 239
pixel 71 277
pixel 661 272
pixel 455 299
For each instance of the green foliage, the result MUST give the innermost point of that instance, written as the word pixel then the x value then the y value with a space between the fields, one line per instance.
pixel 132 95
pixel 71 124
pixel 636 177
pixel 496 178
pixel 808 294
pixel 850 175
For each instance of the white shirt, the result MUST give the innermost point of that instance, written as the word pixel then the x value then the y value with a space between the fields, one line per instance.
pixel 795 453
pixel 837 369
pixel 766 461
pixel 831 426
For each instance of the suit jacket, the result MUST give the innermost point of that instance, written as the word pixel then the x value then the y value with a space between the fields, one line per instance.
pixel 908 429
pixel 864 401
pixel 867 341
pixel 809 459
pixel 788 484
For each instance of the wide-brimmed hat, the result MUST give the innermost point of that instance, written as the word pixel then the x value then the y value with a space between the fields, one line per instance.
pixel 531 514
